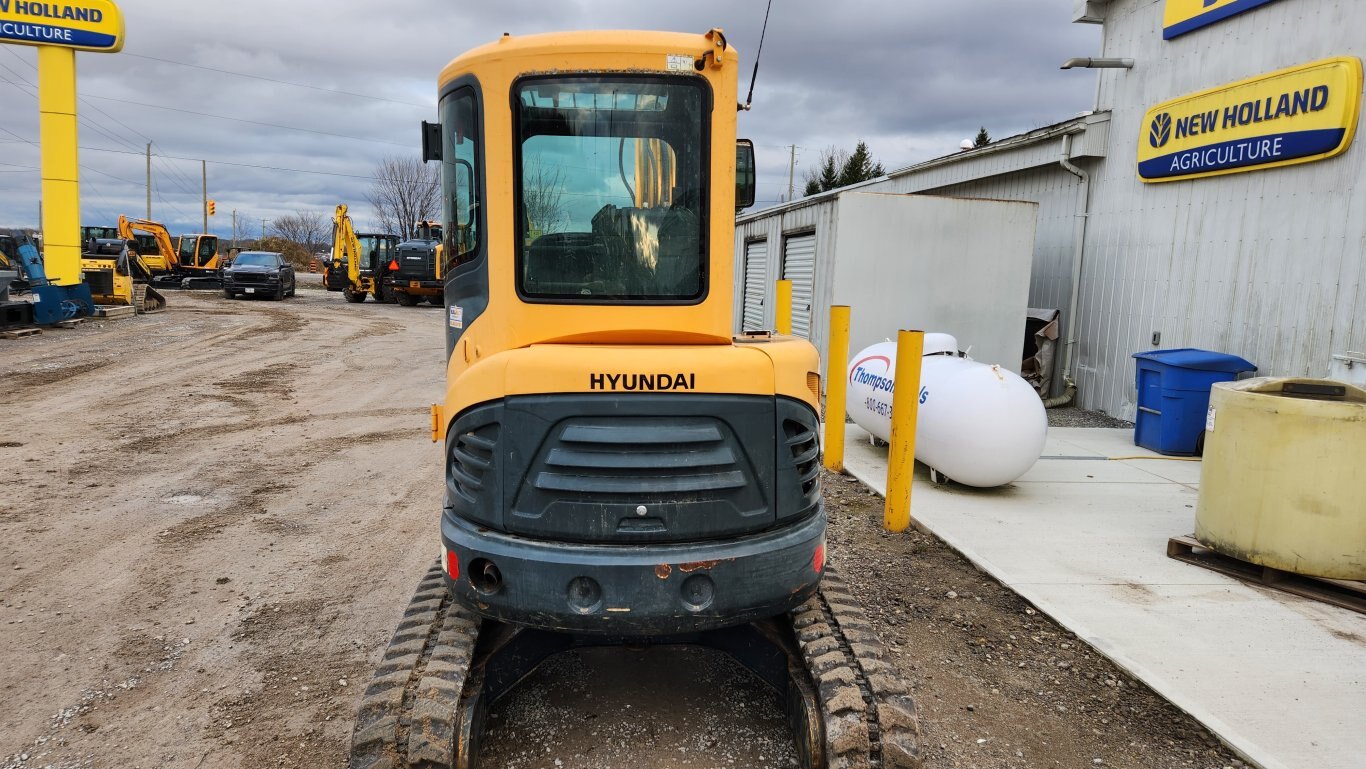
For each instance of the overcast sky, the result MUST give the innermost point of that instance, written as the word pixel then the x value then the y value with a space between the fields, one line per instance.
pixel 913 78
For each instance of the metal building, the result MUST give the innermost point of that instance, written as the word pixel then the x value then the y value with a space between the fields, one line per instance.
pixel 900 261
pixel 1260 258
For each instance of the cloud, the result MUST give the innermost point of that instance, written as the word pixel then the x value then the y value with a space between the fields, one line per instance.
pixel 911 77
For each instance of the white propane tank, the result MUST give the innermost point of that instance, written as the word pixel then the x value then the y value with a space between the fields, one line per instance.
pixel 978 424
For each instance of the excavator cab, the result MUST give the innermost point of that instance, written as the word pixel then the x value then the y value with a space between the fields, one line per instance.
pixel 197 252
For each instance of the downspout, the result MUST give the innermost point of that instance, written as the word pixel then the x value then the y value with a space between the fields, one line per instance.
pixel 1069 393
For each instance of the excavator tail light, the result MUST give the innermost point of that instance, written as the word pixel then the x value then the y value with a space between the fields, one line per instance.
pixel 818 559
pixel 451 561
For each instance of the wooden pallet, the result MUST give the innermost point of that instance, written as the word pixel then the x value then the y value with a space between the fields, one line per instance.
pixel 1348 594
pixel 72 323
pixel 112 312
pixel 20 333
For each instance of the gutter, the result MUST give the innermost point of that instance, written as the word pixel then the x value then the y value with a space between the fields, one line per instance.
pixel 1069 394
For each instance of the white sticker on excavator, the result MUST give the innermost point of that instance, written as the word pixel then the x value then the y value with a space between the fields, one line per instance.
pixel 679 62
pixel 457 317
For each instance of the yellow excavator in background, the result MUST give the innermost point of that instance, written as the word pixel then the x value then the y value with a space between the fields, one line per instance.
pixel 198 251
pixel 118 275
pixel 168 270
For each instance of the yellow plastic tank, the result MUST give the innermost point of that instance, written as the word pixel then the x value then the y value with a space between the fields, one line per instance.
pixel 1283 483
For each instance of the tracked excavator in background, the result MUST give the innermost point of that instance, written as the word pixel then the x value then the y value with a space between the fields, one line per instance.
pixel 360 261
pixel 619 468
pixel 198 270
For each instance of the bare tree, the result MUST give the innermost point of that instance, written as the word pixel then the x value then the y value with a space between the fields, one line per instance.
pixel 307 228
pixel 826 175
pixel 404 191
pixel 542 196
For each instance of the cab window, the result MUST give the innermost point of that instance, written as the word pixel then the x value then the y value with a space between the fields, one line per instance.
pixel 610 192
pixel 460 177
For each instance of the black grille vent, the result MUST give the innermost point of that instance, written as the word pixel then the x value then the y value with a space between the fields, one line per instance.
pixel 801 441
pixel 471 458
pixel 601 458
pixel 101 282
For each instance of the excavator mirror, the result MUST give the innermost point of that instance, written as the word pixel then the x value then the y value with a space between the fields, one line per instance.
pixel 431 141
pixel 744 173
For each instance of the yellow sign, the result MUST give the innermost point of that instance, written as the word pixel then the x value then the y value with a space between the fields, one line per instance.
pixel 1182 16
pixel 1294 115
pixel 90 25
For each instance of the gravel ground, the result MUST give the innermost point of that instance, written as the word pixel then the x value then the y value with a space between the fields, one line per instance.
pixel 1071 416
pixel 212 518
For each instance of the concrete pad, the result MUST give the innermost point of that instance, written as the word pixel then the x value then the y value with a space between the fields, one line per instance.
pixel 1279 678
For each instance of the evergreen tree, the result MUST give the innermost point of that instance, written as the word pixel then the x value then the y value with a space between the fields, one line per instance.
pixel 859 167
pixel 829 176
pixel 982 139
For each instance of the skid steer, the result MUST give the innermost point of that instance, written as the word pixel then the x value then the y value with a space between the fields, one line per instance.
pixel 118 275
pixel 619 468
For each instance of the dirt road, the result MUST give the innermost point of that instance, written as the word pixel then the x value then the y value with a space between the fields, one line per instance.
pixel 211 519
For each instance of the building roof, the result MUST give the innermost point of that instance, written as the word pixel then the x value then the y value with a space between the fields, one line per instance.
pixel 1089 132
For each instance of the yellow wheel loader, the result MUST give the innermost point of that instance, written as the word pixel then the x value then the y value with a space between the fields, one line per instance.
pixel 619 467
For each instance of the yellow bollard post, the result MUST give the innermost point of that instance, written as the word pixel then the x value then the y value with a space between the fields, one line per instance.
pixel 836 385
pixel 910 347
pixel 60 179
pixel 782 320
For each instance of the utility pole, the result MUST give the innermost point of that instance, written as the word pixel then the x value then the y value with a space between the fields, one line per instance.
pixel 234 228
pixel 149 180
pixel 791 168
pixel 204 203
pixel 263 229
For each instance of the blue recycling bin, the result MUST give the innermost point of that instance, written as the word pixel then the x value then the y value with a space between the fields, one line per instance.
pixel 1173 396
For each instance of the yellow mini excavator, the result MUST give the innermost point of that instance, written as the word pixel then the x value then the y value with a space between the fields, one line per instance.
pixel 196 271
pixel 619 468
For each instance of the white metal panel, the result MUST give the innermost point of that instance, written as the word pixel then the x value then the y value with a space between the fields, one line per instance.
pixel 756 279
pixel 938 264
pixel 799 266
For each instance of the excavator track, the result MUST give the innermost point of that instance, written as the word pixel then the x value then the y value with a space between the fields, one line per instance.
pixel 147 300
pixel 870 718
pixel 424 707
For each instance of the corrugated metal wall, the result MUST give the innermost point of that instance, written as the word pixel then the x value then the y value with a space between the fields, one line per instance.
pixel 818 217
pixel 1056 191
pixel 1265 264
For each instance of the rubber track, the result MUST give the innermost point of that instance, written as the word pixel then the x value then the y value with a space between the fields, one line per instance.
pixel 871 721
pixel 406 717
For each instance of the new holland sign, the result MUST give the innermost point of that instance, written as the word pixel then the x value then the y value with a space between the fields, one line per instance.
pixel 93 25
pixel 1182 16
pixel 1294 115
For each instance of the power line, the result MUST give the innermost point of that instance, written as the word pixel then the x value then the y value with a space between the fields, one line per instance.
pixel 252 122
pixel 253 165
pixel 281 82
